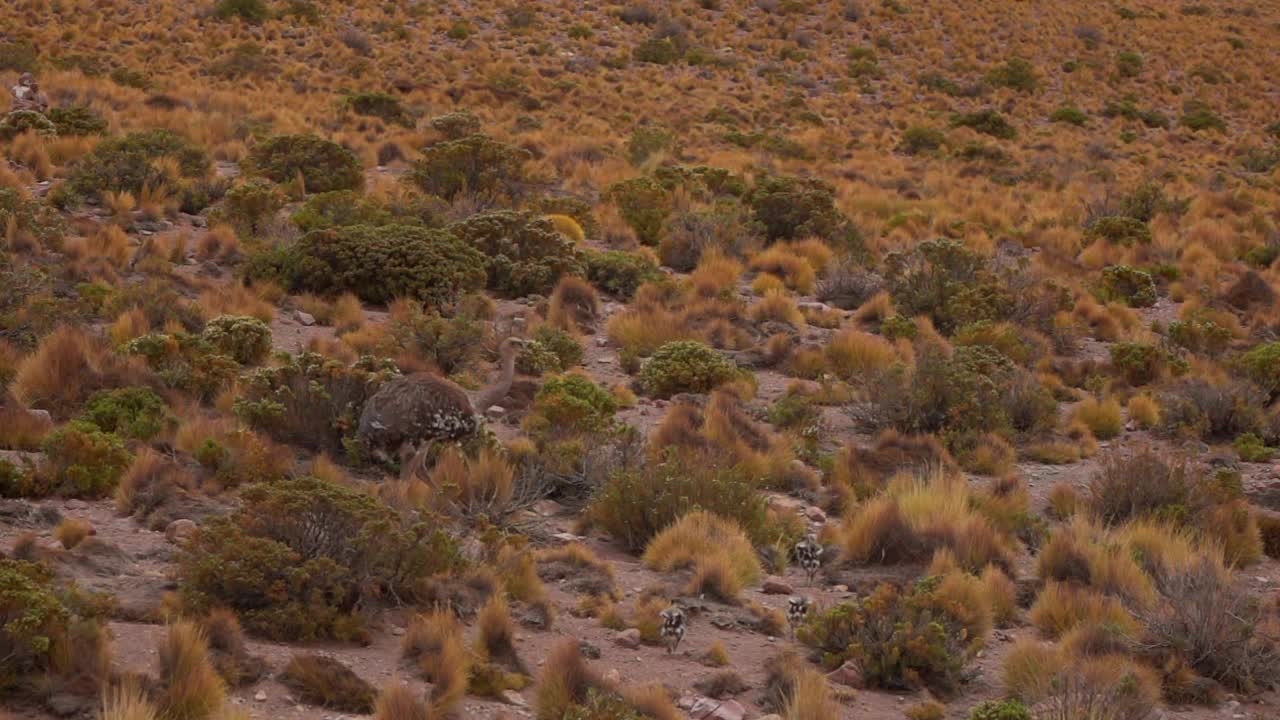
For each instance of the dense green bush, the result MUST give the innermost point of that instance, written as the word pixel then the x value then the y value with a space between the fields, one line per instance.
pixel 900 640
pixel 1261 364
pixel 1000 710
pixel 475 164
pixel 918 139
pixel 33 622
pixel 246 340
pixel 793 208
pixel 248 206
pixel 18 122
pixel 128 163
pixel 571 403
pixel 550 350
pixel 1017 73
pixel 30 216
pixel 647 141
pixel 1199 335
pixel 447 343
pixel 727 226
pixel 185 362
pixel 324 165
pixel 19 57
pixel 77 120
pixel 251 11
pixel 1138 363
pixel 133 412
pixel 644 205
pixel 380 105
pixel 657 51
pixel 380 264
pixel 620 273
pixel 946 281
pixel 1128 110
pixel 987 122
pixel 1069 114
pixel 456 125
pixel 1133 287
pixel 522 253
pixel 302 557
pixel 637 503
pixel 310 400
pixel 83 461
pixel 342 208
pixel 701 181
pixel 1120 230
pixel 686 366
pixel 1199 116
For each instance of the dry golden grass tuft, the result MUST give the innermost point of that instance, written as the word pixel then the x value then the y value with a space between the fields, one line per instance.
pixel 66 368
pixel 398 701
pixel 433 643
pixel 72 531
pixel 719 552
pixel 190 687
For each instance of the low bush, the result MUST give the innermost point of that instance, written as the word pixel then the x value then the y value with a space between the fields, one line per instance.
pixel 987 122
pixel 1133 287
pixel 919 139
pixel 635 504
pixel 243 339
pixel 129 163
pixel 1069 114
pixel 1016 73
pixel 1120 230
pixel 309 400
pixel 685 366
pixel 76 121
pixel 380 264
pixel 380 105
pixel 19 122
pixel 254 12
pixel 792 208
pixel 456 125
pixel 644 205
pixel 620 273
pixel 135 412
pixel 342 208
pixel 30 218
pixel 300 558
pixel 322 164
pixel 522 253
pixel 571 404
pixel 33 622
pixel 902 639
pixel 1139 363
pixel 184 362
pixel 1212 410
pixel 247 207
pixel 83 461
pixel 475 164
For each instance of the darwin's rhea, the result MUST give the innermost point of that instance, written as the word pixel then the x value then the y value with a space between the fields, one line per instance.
pixel 425 407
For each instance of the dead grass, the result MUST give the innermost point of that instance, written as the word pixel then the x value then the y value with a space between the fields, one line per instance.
pixel 707 543
pixel 324 681
pixel 398 701
pixel 67 367
pixel 71 531
pixel 190 687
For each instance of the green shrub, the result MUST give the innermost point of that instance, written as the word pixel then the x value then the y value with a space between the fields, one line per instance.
pixel 918 139
pixel 300 558
pixel 946 281
pixel 323 164
pixel 794 208
pixel 380 264
pixel 83 461
pixel 18 122
pixel 128 163
pixel 251 11
pixel 1199 116
pixel 620 273
pixel 134 412
pixel 1133 287
pixel 342 208
pixel 1000 710
pixel 20 482
pixel 128 77
pixel 251 204
pixel 380 105
pixel 1261 364
pixel 701 181
pixel 576 208
pixel 77 120
pixel 1252 449
pixel 475 164
pixel 33 622
pixel 1017 73
pixel 309 400
pixel 1137 363
pixel 19 57
pixel 1199 335
pixel 657 51
pixel 244 339
pixel 550 350
pixel 245 60
pixel 571 403
pixel 456 125
pixel 31 217
pixel 522 253
pixel 1212 411
pixel 987 122
pixel 726 226
pixel 1129 64
pixel 686 366
pixel 647 141
pixel 1120 230
pixel 901 640
pixel 1128 110
pixel 448 343
pixel 636 503
pixel 185 362
pixel 1071 115
pixel 644 205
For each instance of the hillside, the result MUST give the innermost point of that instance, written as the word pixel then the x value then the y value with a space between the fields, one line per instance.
pixel 720 359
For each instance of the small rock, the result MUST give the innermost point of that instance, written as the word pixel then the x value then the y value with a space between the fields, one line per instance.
pixel 397 631
pixel 305 318
pixel 848 674
pixel 613 676
pixel 840 588
pixel 77 505
pixel 815 514
pixel 629 638
pixel 708 709
pixel 260 696
pixel 42 415
pixel 567 537
pixel 773 585
pixel 495 411
pixel 547 508
pixel 511 697
pixel 179 531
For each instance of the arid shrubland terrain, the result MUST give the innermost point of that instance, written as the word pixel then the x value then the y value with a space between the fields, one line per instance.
pixel 605 361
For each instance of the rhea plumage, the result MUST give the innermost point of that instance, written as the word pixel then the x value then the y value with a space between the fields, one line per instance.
pixel 425 407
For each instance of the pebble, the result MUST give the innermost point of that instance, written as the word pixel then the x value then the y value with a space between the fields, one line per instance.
pixel 260 696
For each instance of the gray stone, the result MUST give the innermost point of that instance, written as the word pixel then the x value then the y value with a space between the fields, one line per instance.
pixel 179 531
pixel 629 639
pixel 305 318
pixel 776 586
